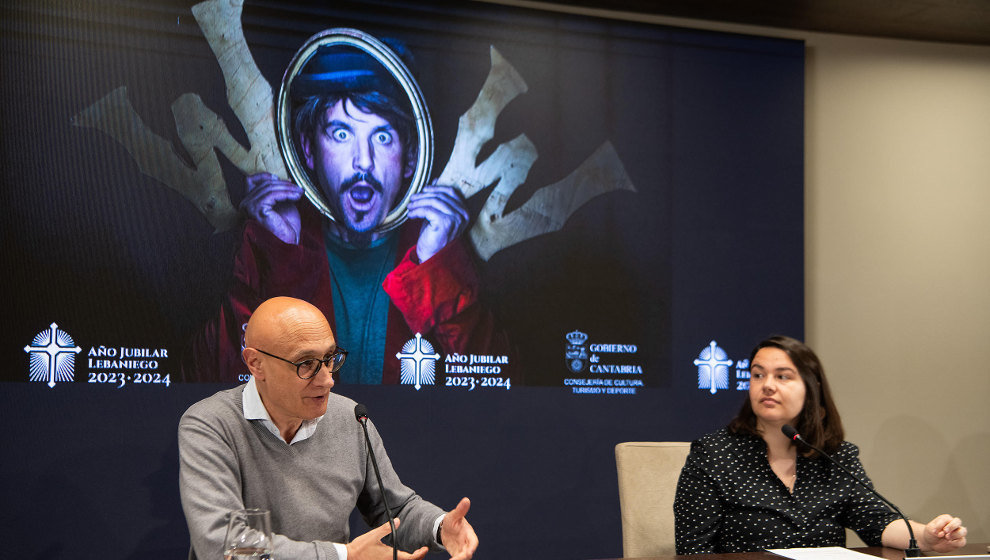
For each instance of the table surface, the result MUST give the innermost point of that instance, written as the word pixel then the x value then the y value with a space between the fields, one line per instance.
pixel 880 551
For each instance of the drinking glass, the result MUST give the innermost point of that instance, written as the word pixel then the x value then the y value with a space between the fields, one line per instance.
pixel 249 535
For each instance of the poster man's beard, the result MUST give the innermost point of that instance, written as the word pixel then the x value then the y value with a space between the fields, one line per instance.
pixel 352 235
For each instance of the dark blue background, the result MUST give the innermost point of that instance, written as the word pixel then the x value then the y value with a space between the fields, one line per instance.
pixel 709 127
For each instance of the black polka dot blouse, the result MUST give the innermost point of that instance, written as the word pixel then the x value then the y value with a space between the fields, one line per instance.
pixel 729 500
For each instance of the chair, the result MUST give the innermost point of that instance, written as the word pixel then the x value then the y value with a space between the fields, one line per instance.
pixel 648 472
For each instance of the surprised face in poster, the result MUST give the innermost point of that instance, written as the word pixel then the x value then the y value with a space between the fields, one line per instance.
pixel 355 133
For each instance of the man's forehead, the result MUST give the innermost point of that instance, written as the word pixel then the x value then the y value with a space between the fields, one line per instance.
pixel 297 325
pixel 345 111
pixel 304 351
pixel 308 345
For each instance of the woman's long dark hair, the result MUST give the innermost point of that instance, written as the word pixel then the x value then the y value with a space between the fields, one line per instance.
pixel 819 422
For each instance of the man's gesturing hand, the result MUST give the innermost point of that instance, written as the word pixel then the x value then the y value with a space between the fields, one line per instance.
pixel 271 202
pixel 369 546
pixel 445 217
pixel 456 533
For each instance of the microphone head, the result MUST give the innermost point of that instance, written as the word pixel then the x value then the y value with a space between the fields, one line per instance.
pixel 790 432
pixel 360 412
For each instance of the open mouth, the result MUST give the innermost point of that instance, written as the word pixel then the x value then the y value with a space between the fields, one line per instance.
pixel 362 197
pixel 363 191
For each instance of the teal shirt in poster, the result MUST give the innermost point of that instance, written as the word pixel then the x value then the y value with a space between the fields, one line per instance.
pixel 360 304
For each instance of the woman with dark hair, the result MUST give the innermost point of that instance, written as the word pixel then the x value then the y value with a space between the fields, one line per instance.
pixel 749 487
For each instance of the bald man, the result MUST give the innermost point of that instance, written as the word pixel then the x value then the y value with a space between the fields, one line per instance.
pixel 285 443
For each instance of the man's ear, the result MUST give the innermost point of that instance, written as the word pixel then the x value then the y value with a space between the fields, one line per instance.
pixel 307 151
pixel 410 165
pixel 252 358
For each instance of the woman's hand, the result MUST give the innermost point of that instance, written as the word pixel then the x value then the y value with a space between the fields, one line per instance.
pixel 945 533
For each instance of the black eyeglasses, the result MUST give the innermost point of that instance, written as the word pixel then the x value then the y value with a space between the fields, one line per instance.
pixel 307 369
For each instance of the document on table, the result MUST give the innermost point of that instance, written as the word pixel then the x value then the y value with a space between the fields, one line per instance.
pixel 821 553
pixel 839 553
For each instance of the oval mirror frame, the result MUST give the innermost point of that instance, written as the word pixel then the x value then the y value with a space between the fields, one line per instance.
pixel 394 65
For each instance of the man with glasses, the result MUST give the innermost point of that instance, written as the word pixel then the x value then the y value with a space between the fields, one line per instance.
pixel 285 443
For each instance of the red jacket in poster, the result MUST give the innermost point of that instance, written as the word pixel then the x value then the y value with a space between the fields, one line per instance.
pixel 438 299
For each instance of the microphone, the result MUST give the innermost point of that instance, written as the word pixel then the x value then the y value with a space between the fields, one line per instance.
pixel 912 551
pixel 361 414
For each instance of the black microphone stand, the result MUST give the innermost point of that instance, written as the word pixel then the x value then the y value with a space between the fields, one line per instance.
pixel 362 417
pixel 912 551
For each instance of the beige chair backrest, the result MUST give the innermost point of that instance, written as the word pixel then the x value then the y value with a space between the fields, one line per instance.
pixel 648 472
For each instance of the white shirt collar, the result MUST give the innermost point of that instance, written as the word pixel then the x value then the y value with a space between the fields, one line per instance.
pixel 254 409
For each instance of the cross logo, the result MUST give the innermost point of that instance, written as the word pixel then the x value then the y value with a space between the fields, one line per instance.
pixel 713 368
pixel 53 356
pixel 418 362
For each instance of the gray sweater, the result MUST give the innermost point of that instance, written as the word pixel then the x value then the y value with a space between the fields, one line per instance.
pixel 227 462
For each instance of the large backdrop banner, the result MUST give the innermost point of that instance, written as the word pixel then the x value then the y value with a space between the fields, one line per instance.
pixel 536 235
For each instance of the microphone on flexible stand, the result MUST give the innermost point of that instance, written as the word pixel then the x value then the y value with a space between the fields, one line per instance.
pixel 361 413
pixel 912 551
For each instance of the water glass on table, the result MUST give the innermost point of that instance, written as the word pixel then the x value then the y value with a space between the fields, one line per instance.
pixel 249 535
